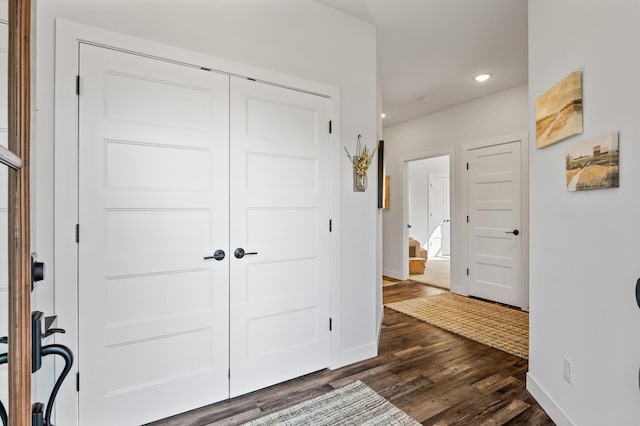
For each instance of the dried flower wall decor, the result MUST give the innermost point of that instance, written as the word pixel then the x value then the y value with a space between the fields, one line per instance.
pixel 360 163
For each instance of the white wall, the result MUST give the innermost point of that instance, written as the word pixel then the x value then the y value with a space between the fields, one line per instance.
pixel 418 192
pixel 492 116
pixel 299 38
pixel 584 246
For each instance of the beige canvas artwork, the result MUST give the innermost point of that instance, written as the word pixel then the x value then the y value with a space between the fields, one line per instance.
pixel 593 164
pixel 559 111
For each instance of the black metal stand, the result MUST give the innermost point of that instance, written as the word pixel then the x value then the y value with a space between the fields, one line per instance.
pixel 67 355
pixel 38 418
pixel 3 360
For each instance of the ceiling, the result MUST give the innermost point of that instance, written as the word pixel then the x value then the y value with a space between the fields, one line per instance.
pixel 430 50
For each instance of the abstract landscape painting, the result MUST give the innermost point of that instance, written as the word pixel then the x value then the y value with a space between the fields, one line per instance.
pixel 559 111
pixel 593 164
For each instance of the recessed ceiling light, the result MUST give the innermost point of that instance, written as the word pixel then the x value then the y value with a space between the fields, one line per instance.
pixel 482 77
pixel 383 115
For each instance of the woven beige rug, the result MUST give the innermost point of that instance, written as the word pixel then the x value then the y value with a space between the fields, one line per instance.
pixel 354 404
pixel 497 326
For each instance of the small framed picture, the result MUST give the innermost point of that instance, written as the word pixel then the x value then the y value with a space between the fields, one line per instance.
pixel 594 163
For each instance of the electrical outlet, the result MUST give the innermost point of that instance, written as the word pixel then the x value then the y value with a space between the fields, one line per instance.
pixel 566 371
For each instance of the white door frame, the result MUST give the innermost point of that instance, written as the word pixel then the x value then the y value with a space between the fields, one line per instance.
pixel 69 35
pixel 524 164
pixel 404 167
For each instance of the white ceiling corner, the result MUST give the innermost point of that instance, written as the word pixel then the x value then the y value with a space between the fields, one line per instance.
pixel 433 48
pixel 356 8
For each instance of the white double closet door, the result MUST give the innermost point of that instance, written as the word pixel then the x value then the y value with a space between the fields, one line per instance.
pixel 176 162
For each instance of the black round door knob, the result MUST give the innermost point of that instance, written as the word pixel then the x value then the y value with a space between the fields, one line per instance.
pixel 239 253
pixel 217 255
pixel 37 270
pixel 514 232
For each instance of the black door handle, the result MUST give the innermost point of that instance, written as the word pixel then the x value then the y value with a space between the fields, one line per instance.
pixel 217 255
pixel 409 226
pixel 514 232
pixel 239 253
pixel 37 270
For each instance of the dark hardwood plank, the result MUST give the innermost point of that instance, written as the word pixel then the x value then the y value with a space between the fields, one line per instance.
pixel 435 376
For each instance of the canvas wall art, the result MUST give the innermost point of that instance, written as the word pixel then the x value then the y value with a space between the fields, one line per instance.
pixel 559 111
pixel 593 164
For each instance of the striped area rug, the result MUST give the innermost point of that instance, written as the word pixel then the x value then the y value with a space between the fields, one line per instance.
pixel 354 404
pixel 494 325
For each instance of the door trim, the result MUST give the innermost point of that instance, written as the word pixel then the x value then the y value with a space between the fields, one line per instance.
pixel 524 187
pixel 19 213
pixel 404 160
pixel 69 35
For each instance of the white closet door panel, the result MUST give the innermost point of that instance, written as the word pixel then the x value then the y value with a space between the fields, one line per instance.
pixel 153 202
pixel 280 152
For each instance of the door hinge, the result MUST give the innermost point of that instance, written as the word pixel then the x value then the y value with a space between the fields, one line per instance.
pixel 330 324
pixel 229 373
pixel 205 69
pixel 251 79
pixel 77 232
pixel 330 127
pixel 78 381
pixel 467 166
pixel 330 225
pixel 77 85
pixel 467 218
pixel 467 271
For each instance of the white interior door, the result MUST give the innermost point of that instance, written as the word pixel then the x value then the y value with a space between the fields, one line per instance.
pixel 4 208
pixel 417 205
pixel 280 152
pixel 438 218
pixel 153 202
pixel 446 222
pixel 495 207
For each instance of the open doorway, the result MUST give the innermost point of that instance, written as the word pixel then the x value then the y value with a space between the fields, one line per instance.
pixel 429 220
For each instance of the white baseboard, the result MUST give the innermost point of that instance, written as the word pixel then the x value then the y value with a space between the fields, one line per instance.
pixel 554 411
pixel 353 355
pixel 392 274
pixel 459 291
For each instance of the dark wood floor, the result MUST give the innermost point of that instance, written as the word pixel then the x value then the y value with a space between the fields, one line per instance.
pixel 435 376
